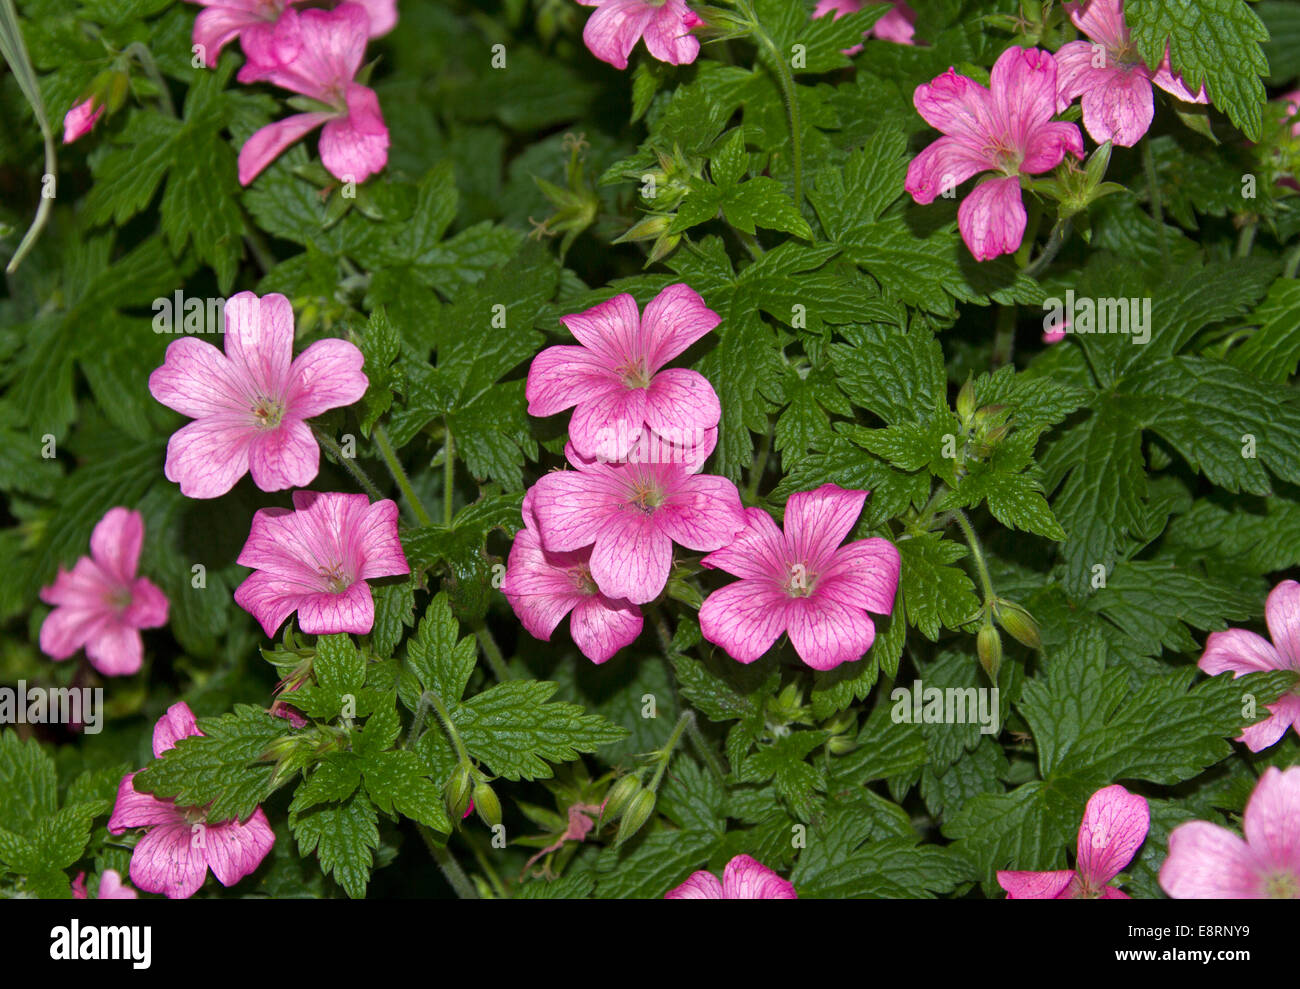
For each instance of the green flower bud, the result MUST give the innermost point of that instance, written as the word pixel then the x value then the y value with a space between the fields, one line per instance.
pixel 486 805
pixel 620 795
pixel 966 402
pixel 989 646
pixel 1018 622
pixel 638 812
pixel 456 792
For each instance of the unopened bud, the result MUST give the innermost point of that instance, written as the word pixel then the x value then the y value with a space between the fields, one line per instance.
pixel 966 402
pixel 456 792
pixel 1018 622
pixel 638 812
pixel 989 646
pixel 620 795
pixel 486 805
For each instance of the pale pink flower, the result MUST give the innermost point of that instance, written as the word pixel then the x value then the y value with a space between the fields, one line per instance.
pixel 580 825
pixel 111 887
pixel 744 878
pixel 1242 651
pixel 896 25
pixel 631 514
pixel 79 120
pixel 1118 103
pixel 543 587
pixel 1208 862
pixel 802 582
pixel 180 844
pixel 317 54
pixel 101 604
pixel 316 559
pixel 250 405
pixel 1008 130
pixel 615 379
pixel 222 21
pixel 616 26
pixel 1115 823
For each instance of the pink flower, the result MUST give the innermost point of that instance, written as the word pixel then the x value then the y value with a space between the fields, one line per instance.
pixel 1118 103
pixel 895 25
pixel 800 582
pixel 1115 823
pixel 250 405
pixel 543 587
pixel 1242 651
pixel 1008 131
pixel 317 54
pixel 111 887
pixel 614 377
pixel 743 879
pixel 180 844
pixel 631 514
pixel 101 604
pixel 1212 863
pixel 222 21
pixel 613 30
pixel 316 559
pixel 78 121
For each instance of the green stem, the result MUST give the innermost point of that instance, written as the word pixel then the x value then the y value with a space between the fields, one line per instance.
pixel 399 475
pixel 759 466
pixel 449 728
pixel 704 750
pixel 421 712
pixel 1153 190
pixel 1292 263
pixel 492 652
pixel 485 864
pixel 666 753
pixel 450 868
pixel 1246 240
pixel 1031 231
pixel 1004 336
pixel 347 463
pixel 1060 231
pixel 145 57
pixel 790 97
pixel 448 477
pixel 977 554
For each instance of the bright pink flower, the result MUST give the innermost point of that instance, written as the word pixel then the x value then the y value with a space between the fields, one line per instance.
pixel 1208 862
pixel 316 559
pixel 1115 823
pixel 896 25
pixel 800 582
pixel 180 844
pixel 543 587
pixel 744 878
pixel 631 514
pixel 111 887
pixel 614 377
pixel 1008 130
pixel 250 405
pixel 1242 651
pixel 78 121
pixel 317 54
pixel 222 21
pixel 101 604
pixel 1118 103
pixel 614 29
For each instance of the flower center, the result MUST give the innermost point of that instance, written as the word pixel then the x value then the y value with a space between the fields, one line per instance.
pixel 1004 152
pixel 335 579
pixel 582 580
pixel 646 496
pixel 194 815
pixel 118 599
pixel 634 373
pixel 1282 886
pixel 799 582
pixel 268 412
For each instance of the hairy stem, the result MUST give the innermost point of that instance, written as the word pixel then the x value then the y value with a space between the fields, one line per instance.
pixel 399 475
pixel 977 554
pixel 347 463
pixel 1153 190
pixel 450 868
pixel 790 97
pixel 492 653
pixel 448 477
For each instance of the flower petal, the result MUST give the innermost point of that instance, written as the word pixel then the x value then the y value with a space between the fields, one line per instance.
pixel 942 166
pixel 992 218
pixel 1240 651
pixel 1282 612
pixel 1207 862
pixel 863 574
pixel 234 850
pixel 744 618
pixel 1035 885
pixel 169 860
pixel 1115 823
pixel 826 633
pixel 699 886
pixel 269 142
pixel 746 878
pixel 177 723
pixel 325 614
pixel 673 320
pixel 116 541
pixel 561 377
pixel 601 626
pixel 1271 822
pixel 327 375
pixel 631 557
pixel 139 810
pixel 287 456
pixel 355 147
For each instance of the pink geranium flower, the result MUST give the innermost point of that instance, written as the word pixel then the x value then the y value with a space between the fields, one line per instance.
pixel 1212 863
pixel 101 604
pixel 79 120
pixel 744 878
pixel 800 582
pixel 615 379
pixel 1115 823
pixel 316 559
pixel 1242 651
pixel 111 887
pixel 631 514
pixel 896 25
pixel 250 405
pixel 1007 130
pixel 180 844
pixel 317 54
pixel 222 21
pixel 1118 103
pixel 616 26
pixel 543 587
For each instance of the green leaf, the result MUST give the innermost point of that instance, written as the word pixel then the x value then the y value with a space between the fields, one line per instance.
pixel 935 594
pixel 344 838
